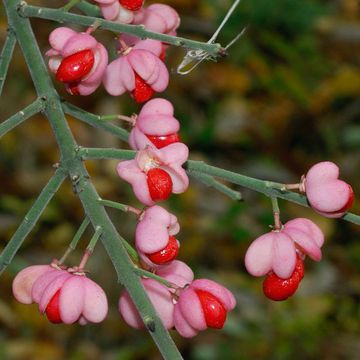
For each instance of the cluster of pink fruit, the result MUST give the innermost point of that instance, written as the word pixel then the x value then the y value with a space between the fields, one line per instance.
pixel 66 295
pixel 279 254
pixel 81 62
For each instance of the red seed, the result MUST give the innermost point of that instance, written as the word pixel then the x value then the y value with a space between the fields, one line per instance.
pixel 278 289
pixel 214 310
pixel 52 310
pixel 142 92
pixel 73 88
pixel 74 67
pixel 132 5
pixel 159 183
pixel 162 141
pixel 168 253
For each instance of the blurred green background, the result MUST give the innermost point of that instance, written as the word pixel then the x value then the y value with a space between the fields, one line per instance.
pixel 286 98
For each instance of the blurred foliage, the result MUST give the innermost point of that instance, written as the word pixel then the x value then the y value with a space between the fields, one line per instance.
pixel 286 97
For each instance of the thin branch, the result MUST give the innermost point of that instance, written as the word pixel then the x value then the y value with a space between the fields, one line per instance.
pixel 89 9
pixel 25 10
pixel 268 188
pixel 211 182
pixel 18 118
pixel 31 218
pixel 70 5
pixel 100 153
pixel 95 121
pixel 119 206
pixel 6 56
pixel 75 240
pixel 148 274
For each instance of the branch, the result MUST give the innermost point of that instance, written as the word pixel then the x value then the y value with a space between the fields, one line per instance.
pixel 81 181
pixel 211 182
pixel 89 9
pixel 61 16
pixel 18 118
pixel 6 56
pixel 199 168
pixel 31 218
pixel 268 188
pixel 94 120
pixel 100 153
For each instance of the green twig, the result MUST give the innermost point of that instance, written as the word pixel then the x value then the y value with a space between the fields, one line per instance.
pixel 6 56
pixel 99 153
pixel 148 274
pixel 131 251
pixel 75 240
pixel 268 188
pixel 119 206
pixel 21 116
pixel 214 50
pixel 95 121
pixel 70 5
pixel 31 218
pixel 89 9
pixel 211 182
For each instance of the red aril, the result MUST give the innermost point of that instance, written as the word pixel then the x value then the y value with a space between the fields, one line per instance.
pixel 168 253
pixel 159 183
pixel 74 67
pixel 142 92
pixel 132 5
pixel 278 289
pixel 214 311
pixel 162 141
pixel 52 310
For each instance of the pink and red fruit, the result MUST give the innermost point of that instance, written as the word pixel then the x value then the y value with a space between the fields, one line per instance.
pixel 167 254
pixel 74 67
pixel 159 183
pixel 142 92
pixel 214 311
pixel 349 203
pixel 278 289
pixel 52 310
pixel 162 141
pixel 132 5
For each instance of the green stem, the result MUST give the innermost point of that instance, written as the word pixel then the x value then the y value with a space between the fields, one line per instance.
pixel 268 188
pixel 75 240
pixel 148 274
pixel 90 248
pixel 81 179
pixel 214 50
pixel 95 121
pixel 276 213
pixel 70 5
pixel 18 118
pixel 131 251
pixel 211 182
pixel 99 153
pixel 31 218
pixel 89 9
pixel 119 206
pixel 6 56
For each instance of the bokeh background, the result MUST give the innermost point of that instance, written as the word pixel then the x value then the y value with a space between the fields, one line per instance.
pixel 287 97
